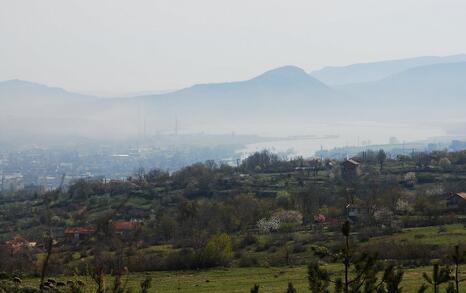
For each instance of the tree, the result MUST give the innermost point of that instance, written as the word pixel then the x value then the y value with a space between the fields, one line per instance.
pixel 390 194
pixel 365 268
pixel 218 251
pixel 439 276
pixel 444 163
pixel 319 279
pixel 392 279
pixel 422 289
pixel 260 161
pixel 146 285
pixel 255 289
pixel 307 199
pixel 290 288
pixel 458 257
pixel 451 288
pixel 345 230
pixel 381 157
pixel 49 240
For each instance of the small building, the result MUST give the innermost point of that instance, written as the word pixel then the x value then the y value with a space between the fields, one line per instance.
pixel 121 226
pixel 125 228
pixel 350 169
pixel 18 243
pixel 457 201
pixel 78 233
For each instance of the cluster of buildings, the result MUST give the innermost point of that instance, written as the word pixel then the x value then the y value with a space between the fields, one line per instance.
pixel 74 236
pixel 122 228
pixel 351 168
pixel 52 167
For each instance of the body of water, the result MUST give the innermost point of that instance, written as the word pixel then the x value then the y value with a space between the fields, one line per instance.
pixel 328 136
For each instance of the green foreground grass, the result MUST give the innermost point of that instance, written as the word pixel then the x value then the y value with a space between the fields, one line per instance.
pixel 271 280
pixel 275 279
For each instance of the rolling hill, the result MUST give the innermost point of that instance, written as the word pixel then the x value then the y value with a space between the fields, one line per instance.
pixel 285 95
pixel 373 71
pixel 283 91
pixel 427 91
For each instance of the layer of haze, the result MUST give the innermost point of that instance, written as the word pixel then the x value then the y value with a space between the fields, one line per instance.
pixel 115 47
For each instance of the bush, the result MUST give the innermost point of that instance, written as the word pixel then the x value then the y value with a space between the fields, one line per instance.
pixel 265 246
pixel 217 252
pixel 278 261
pixel 28 290
pixel 249 239
pixel 180 260
pixel 410 222
pixel 248 261
pixel 287 227
pixel 142 262
pixel 281 258
pixel 272 249
pixel 442 229
pixel 363 237
pixel 298 248
pixel 404 251
pixel 238 254
pixel 425 178
pixel 368 232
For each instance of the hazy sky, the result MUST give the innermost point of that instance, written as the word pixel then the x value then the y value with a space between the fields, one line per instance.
pixel 117 46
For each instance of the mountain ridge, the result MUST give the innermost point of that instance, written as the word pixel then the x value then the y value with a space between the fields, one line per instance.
pixel 373 71
pixel 285 76
pixel 283 95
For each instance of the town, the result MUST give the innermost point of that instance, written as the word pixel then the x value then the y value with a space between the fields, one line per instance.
pixel 268 212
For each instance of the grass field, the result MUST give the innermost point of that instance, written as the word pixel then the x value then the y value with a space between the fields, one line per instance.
pixel 271 280
pixel 275 279
pixel 447 235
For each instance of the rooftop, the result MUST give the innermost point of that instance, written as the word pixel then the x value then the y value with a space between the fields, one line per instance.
pixel 352 161
pixel 79 230
pixel 461 194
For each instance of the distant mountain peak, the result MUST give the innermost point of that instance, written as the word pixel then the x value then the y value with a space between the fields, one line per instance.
pixel 289 76
pixel 288 71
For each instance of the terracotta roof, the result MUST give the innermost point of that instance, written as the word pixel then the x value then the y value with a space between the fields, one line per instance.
pixel 124 225
pixel 461 194
pixel 19 242
pixel 79 230
pixel 352 162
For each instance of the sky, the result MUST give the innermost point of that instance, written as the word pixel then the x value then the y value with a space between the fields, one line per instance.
pixel 113 47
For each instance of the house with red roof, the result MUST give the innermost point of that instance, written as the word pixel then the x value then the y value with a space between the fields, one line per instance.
pixel 78 233
pixel 456 200
pixel 125 228
pixel 19 243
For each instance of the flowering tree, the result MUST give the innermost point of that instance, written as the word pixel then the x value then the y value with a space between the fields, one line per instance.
pixel 268 225
pixel 289 216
